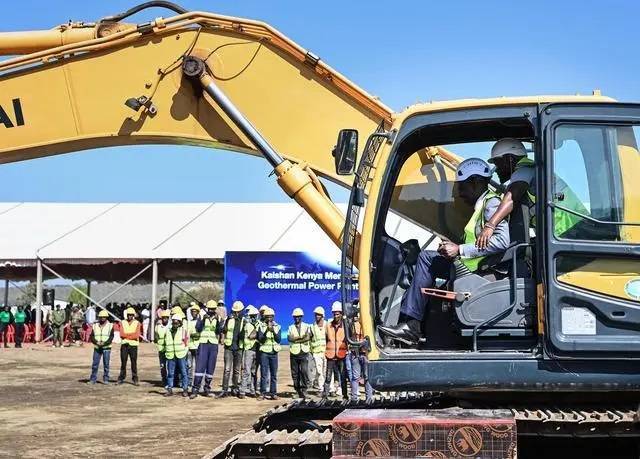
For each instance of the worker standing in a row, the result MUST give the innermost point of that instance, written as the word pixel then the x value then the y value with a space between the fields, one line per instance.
pixel 176 340
pixel 299 336
pixel 209 328
pixel 101 337
pixel 130 330
pixel 249 337
pixel 231 331
pixel 318 347
pixel 336 352
pixel 269 337
pixel 194 340
pixel 160 330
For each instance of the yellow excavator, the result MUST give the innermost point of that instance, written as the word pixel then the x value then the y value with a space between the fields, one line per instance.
pixel 541 343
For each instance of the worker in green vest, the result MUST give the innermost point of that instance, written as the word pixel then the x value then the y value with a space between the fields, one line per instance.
pixel 176 342
pixel 19 318
pixel 231 331
pixel 299 336
pixel 101 337
pixel 159 332
pixel 58 320
pixel 194 340
pixel 5 321
pixel 209 328
pixel 249 337
pixel 472 186
pixel 518 173
pixel 269 337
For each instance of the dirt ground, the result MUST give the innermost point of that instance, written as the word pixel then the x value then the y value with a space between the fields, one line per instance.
pixel 48 410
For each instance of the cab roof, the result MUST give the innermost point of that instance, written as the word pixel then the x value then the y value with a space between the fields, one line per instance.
pixel 494 102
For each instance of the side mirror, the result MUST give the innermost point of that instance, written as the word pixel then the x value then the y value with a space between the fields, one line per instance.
pixel 345 152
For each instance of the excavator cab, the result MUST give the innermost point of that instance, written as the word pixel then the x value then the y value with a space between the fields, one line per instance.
pixel 567 285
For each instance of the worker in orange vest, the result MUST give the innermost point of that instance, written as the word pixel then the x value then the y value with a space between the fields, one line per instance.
pixel 336 352
pixel 130 331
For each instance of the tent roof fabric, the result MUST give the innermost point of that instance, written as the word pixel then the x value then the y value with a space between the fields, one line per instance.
pixel 77 233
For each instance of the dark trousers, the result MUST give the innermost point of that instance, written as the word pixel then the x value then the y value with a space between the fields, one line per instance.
pixel 19 334
pixel 430 265
pixel 127 351
pixel 337 369
pixel 163 369
pixel 105 356
pixel 269 372
pixel 205 366
pixel 300 372
pixel 4 329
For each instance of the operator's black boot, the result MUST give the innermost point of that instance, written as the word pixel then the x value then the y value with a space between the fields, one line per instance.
pixel 406 332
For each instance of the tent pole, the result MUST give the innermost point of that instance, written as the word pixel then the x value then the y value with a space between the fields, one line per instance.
pixel 6 292
pixel 170 302
pixel 38 301
pixel 154 294
pixel 88 302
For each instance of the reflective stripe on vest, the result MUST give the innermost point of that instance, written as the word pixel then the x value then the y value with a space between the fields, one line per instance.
pixel 476 222
pixel 249 343
pixel 336 343
pixel 318 338
pixel 270 344
pixel 209 331
pixel 194 336
pixel 531 197
pixel 101 334
pixel 230 325
pixel 174 344
pixel 300 346
pixel 130 327
pixel 161 329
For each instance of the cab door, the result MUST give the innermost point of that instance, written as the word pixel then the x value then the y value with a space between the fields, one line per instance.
pixel 590 219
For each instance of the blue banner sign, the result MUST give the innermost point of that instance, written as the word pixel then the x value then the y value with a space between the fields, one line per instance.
pixel 283 281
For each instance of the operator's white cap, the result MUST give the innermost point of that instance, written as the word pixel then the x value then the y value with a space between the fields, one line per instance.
pixel 336 306
pixel 507 147
pixel 473 166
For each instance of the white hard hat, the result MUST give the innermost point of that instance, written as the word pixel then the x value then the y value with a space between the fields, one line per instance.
pixel 264 307
pixel 252 311
pixel 237 306
pixel 336 306
pixel 507 147
pixel 176 317
pixel 297 312
pixel 473 166
pixel 269 312
pixel 319 310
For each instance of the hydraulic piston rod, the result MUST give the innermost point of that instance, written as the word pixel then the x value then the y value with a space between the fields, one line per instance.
pixel 292 178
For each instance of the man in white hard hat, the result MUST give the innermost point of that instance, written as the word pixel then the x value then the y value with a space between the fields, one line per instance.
pixel 249 337
pixel 231 330
pixel 176 342
pixel 318 347
pixel 299 336
pixel 209 328
pixel 269 337
pixel 472 182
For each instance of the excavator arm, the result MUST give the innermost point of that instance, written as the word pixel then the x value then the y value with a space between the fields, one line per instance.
pixel 82 86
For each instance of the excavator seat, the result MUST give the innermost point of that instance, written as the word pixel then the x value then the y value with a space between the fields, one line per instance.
pixel 498 299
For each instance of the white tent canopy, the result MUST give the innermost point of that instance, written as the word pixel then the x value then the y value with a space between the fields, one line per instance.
pixel 94 234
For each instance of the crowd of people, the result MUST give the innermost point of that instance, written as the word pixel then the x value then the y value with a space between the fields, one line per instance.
pixel 188 342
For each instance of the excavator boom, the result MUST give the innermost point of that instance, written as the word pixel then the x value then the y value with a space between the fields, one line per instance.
pixel 78 84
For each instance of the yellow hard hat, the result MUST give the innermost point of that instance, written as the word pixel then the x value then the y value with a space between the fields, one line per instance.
pixel 176 310
pixel 194 306
pixel 165 313
pixel 103 313
pixel 297 312
pixel 237 306
pixel 211 304
pixel 130 312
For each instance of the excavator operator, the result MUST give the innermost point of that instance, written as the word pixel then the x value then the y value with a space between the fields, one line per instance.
pixel 517 172
pixel 472 181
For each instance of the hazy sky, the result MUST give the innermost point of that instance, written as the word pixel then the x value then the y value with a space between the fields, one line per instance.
pixel 404 52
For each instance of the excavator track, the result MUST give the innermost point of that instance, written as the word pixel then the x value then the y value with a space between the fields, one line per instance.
pixel 302 428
